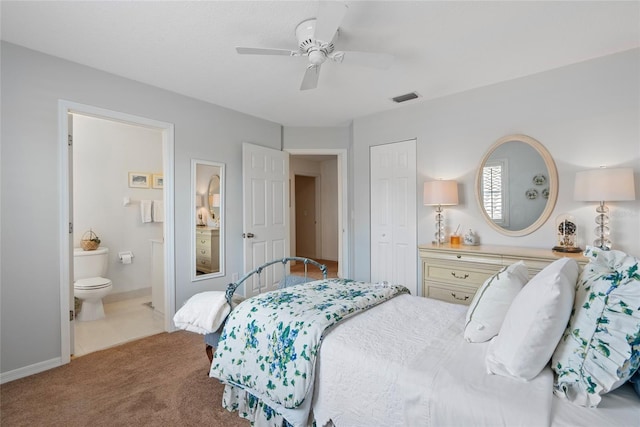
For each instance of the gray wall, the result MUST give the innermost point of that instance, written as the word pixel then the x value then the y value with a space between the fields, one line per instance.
pixel 585 114
pixel 32 84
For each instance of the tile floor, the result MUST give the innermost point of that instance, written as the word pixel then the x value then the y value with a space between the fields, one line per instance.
pixel 126 320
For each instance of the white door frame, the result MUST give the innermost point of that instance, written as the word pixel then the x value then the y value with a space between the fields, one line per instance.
pixel 64 108
pixel 344 269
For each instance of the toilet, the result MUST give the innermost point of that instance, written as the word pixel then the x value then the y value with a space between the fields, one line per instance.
pixel 90 285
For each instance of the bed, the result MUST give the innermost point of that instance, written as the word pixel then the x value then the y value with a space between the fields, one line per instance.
pixel 401 360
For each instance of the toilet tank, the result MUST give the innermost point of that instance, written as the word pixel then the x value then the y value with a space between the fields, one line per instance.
pixel 90 263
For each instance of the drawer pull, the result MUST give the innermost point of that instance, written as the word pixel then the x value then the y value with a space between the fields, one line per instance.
pixel 203 241
pixel 202 251
pixel 453 273
pixel 466 297
pixel 458 256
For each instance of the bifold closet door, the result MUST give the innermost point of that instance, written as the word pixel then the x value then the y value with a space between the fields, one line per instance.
pixel 393 214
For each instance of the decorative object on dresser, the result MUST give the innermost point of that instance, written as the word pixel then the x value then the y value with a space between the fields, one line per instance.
pixel 440 193
pixel 471 238
pixel 567 234
pixel 604 185
pixel 207 250
pixel 454 274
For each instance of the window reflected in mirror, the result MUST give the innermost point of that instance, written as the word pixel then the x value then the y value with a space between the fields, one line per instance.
pixel 208 219
pixel 495 188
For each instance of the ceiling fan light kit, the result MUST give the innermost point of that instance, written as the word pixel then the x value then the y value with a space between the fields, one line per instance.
pixel 316 38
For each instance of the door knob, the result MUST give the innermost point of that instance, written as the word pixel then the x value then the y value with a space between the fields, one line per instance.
pixel 248 235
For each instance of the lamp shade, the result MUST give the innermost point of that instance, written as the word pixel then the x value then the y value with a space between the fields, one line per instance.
pixel 604 185
pixel 199 202
pixel 440 193
pixel 215 200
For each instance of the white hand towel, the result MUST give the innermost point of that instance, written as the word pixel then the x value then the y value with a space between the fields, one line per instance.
pixel 158 210
pixel 145 210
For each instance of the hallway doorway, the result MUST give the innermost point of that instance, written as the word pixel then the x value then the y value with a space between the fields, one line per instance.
pixel 322 171
pixel 305 209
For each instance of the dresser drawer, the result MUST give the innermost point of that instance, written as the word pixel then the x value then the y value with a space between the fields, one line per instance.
pixel 203 241
pixel 453 256
pixel 203 251
pixel 454 294
pixel 203 264
pixel 458 274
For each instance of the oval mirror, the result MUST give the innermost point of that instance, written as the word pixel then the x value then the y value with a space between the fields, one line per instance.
pixel 207 189
pixel 516 185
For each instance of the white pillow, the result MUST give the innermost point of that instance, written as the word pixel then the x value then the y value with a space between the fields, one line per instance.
pixel 600 350
pixel 203 313
pixel 534 323
pixel 492 300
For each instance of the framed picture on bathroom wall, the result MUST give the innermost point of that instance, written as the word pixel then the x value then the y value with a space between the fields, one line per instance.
pixel 157 181
pixel 139 180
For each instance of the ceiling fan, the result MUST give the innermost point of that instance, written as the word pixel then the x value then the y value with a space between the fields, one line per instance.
pixel 316 37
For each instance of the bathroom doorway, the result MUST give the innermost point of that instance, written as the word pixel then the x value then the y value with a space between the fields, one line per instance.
pixel 109 153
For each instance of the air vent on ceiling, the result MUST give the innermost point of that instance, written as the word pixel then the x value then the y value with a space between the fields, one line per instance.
pixel 406 97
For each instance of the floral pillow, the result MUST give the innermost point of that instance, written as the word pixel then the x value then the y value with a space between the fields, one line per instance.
pixel 600 348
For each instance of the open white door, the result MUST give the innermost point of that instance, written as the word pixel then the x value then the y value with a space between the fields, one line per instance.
pixel 265 184
pixel 393 214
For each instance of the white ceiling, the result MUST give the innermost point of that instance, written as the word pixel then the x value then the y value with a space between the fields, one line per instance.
pixel 441 47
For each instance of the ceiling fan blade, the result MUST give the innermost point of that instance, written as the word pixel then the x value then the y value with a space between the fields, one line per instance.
pixel 330 15
pixel 310 80
pixel 375 60
pixel 265 51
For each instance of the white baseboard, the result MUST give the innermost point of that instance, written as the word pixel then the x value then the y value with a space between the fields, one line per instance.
pixel 16 374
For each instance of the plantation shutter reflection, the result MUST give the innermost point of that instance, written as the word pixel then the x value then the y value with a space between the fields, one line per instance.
pixel 492 193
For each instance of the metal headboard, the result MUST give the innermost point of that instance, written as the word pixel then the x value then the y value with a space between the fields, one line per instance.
pixel 231 287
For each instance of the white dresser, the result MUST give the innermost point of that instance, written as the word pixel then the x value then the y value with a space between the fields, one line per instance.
pixel 207 250
pixel 454 274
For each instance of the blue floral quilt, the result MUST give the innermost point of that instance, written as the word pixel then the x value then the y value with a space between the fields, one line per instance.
pixel 270 342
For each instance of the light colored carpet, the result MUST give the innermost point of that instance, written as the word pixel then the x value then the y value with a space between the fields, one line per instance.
pixel 161 380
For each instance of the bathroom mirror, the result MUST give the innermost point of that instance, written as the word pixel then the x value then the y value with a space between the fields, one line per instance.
pixel 207 207
pixel 516 185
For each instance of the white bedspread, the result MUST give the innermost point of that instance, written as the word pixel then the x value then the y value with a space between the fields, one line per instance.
pixel 420 373
pixel 405 363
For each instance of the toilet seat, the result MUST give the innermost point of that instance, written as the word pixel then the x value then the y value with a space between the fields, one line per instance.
pixel 92 283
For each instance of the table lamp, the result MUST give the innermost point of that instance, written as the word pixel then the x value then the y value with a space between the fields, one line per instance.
pixel 604 185
pixel 440 193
